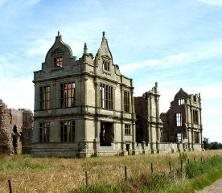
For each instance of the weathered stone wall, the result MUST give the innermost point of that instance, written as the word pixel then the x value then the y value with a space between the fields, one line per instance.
pixel 8 118
pixel 27 128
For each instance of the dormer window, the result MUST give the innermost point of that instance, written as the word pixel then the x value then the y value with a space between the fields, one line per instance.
pixel 106 65
pixel 181 101
pixel 58 62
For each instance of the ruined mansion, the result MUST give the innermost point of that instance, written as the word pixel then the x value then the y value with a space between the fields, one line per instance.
pixel 85 107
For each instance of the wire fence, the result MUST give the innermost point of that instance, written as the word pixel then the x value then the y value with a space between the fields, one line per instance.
pixel 174 171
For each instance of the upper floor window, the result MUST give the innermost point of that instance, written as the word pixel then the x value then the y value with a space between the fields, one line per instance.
pixel 178 119
pixel 45 93
pixel 195 116
pixel 127 129
pixel 106 96
pixel 58 62
pixel 106 65
pixel 67 131
pixel 67 95
pixel 126 101
pixel 44 132
pixel 181 101
pixel 195 98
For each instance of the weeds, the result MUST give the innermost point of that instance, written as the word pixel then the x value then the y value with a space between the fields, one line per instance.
pixel 106 174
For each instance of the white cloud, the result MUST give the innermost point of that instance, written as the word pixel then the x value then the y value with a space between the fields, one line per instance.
pixel 38 47
pixel 17 92
pixel 208 50
pixel 212 2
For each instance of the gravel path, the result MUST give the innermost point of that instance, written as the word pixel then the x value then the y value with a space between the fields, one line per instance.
pixel 216 187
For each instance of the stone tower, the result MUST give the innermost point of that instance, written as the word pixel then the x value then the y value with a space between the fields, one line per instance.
pixel 148 119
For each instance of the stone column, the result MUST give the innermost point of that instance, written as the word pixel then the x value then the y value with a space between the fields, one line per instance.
pixel 133 121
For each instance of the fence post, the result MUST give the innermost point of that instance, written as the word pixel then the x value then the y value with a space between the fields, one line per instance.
pixel 10 186
pixel 181 168
pixel 170 166
pixel 151 167
pixel 86 178
pixel 125 173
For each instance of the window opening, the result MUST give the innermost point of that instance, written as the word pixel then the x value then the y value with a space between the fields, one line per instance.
pixel 178 119
pixel 106 134
pixel 67 95
pixel 67 131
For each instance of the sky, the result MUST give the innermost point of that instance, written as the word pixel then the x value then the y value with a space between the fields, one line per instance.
pixel 177 43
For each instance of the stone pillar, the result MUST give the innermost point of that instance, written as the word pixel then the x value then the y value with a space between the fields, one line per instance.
pixel 121 121
pixel 133 122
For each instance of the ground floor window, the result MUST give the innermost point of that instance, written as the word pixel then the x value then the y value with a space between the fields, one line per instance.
pixel 44 132
pixel 196 137
pixel 67 131
pixel 106 134
pixel 127 129
pixel 179 137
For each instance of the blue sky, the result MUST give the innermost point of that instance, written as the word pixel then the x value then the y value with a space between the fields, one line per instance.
pixel 177 43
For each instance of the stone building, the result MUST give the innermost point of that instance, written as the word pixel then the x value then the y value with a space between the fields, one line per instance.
pixel 182 123
pixel 83 107
pixel 20 118
pixel 148 123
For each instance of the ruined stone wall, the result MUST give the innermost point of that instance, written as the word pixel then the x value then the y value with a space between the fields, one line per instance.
pixel 8 118
pixel 141 119
pixel 4 134
pixel 27 131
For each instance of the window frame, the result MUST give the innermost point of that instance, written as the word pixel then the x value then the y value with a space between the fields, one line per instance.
pixel 181 101
pixel 45 97
pixel 67 134
pixel 58 61
pixel 128 129
pixel 106 96
pixel 126 101
pixel 44 132
pixel 195 116
pixel 67 94
pixel 179 119
pixel 106 65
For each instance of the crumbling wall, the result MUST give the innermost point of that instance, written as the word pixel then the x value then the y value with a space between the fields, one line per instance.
pixel 5 133
pixel 27 131
pixel 23 119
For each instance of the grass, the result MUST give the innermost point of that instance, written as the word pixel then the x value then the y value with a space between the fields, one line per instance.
pixel 106 174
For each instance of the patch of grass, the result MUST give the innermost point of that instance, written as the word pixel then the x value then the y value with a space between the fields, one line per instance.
pixel 196 183
pixel 106 174
pixel 197 174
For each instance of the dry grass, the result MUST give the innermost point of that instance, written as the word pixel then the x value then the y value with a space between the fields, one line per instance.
pixel 58 175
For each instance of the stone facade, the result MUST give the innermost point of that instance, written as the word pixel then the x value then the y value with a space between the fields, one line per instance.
pixel 183 123
pixel 85 107
pixel 20 118
pixel 148 123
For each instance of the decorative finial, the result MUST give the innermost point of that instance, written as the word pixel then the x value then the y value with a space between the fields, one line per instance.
pixel 156 84
pixel 103 34
pixel 58 37
pixel 85 48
